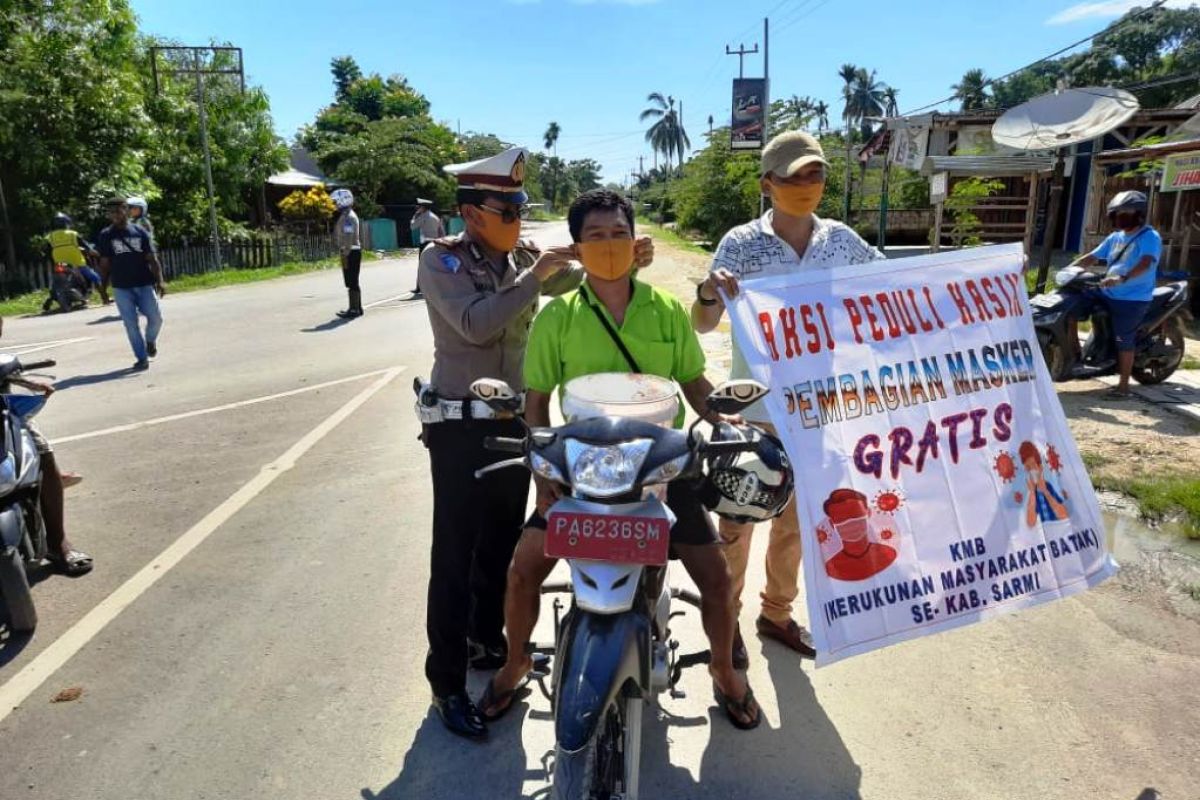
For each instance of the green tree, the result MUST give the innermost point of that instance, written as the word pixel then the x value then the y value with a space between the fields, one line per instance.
pixel 718 189
pixel 345 72
pixel 666 135
pixel 964 198
pixel 865 100
pixel 481 145
pixel 890 108
pixel 972 90
pixel 550 139
pixel 821 113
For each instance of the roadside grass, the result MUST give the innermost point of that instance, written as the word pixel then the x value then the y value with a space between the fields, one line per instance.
pixel 671 237
pixel 1158 498
pixel 1190 362
pixel 31 302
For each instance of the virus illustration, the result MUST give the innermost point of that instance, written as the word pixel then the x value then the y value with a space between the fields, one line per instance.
pixel 888 502
pixel 887 534
pixel 822 536
pixel 1053 459
pixel 1006 468
pixel 1018 497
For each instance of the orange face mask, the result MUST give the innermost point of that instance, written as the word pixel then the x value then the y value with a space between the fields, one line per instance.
pixel 797 200
pixel 608 259
pixel 496 233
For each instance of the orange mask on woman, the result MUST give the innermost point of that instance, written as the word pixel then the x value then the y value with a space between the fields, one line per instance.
pixel 497 234
pixel 797 200
pixel 608 259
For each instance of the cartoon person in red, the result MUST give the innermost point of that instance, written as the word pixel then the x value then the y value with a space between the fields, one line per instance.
pixel 859 558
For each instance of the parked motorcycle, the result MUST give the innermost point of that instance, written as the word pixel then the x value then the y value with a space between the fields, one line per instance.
pixel 22 531
pixel 68 288
pixel 613 645
pixel 1160 345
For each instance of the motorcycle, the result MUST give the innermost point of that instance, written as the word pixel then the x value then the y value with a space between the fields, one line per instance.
pixel 22 530
pixel 613 645
pixel 1160 345
pixel 68 287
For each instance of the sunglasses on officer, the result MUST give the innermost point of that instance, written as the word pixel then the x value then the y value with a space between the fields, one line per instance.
pixel 508 214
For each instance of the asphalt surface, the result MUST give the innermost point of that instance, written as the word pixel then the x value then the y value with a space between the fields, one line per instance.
pixel 254 625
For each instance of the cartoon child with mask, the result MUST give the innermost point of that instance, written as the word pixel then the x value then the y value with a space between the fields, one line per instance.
pixel 859 558
pixel 1044 503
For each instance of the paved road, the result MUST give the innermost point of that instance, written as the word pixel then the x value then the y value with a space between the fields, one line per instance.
pixel 258 507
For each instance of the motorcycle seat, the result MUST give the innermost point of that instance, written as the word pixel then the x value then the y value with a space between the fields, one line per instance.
pixel 1165 295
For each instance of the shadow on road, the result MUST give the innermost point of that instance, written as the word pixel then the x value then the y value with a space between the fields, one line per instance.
pixel 441 765
pixel 88 380
pixel 102 320
pixel 12 643
pixel 332 324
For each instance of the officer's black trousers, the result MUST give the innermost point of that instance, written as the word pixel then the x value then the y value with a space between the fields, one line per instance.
pixel 351 264
pixel 476 525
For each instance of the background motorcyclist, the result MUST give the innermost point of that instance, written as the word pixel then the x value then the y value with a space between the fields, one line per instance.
pixel 139 214
pixel 1131 254
pixel 66 246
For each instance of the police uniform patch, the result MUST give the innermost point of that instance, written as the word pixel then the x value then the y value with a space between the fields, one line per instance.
pixel 451 262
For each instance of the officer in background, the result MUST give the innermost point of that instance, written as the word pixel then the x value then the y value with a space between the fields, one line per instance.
pixel 347 236
pixel 426 228
pixel 481 290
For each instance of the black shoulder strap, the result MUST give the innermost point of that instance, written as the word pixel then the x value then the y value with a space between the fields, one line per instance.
pixel 1128 244
pixel 612 332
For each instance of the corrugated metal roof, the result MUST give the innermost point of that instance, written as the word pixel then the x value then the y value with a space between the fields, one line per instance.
pixel 991 166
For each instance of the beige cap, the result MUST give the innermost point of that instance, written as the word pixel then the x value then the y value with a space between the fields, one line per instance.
pixel 789 151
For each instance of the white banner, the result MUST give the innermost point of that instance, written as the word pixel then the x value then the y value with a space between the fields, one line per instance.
pixel 937 481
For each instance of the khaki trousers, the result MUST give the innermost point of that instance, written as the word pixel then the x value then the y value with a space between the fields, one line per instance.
pixel 783 559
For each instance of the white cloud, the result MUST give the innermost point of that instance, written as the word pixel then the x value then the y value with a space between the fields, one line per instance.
pixel 1106 9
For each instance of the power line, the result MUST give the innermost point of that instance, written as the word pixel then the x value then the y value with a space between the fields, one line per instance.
pixel 1055 54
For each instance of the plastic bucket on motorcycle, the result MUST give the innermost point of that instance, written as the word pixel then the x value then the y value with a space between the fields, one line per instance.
pixel 622 394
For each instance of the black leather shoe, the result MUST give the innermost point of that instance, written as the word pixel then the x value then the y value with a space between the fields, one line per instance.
pixel 741 656
pixel 460 716
pixel 485 657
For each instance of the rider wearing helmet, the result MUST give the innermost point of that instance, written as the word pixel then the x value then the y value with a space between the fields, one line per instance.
pixel 576 335
pixel 139 214
pixel 66 246
pixel 1131 254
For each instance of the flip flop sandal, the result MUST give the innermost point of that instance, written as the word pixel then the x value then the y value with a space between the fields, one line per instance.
pixel 490 699
pixel 734 708
pixel 70 479
pixel 73 564
pixel 1117 394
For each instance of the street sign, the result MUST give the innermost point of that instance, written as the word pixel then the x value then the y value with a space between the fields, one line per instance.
pixel 1181 172
pixel 939 184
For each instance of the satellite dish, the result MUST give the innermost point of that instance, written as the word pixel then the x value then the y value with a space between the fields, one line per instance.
pixel 1064 118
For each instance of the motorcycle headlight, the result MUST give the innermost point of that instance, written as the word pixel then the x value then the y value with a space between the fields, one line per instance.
pixel 606 470
pixel 544 468
pixel 8 475
pixel 669 471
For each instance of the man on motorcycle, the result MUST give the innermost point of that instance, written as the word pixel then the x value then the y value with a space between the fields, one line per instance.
pixel 66 246
pixel 1131 254
pixel 569 340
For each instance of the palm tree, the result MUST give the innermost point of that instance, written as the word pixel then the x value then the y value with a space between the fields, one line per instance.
pixel 865 99
pixel 821 112
pixel 972 90
pixel 666 135
pixel 550 139
pixel 847 73
pixel 797 112
pixel 889 100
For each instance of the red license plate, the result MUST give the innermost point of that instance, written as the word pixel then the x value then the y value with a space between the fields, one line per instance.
pixel 615 538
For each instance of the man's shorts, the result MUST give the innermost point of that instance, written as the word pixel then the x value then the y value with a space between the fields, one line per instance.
pixel 43 446
pixel 693 525
pixel 1125 316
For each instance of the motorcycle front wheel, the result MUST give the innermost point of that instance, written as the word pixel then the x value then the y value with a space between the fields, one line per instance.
pixel 14 586
pixel 1169 342
pixel 596 772
pixel 1058 360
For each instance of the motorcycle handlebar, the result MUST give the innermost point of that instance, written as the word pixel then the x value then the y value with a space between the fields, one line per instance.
pixel 723 448
pixel 49 362
pixel 504 445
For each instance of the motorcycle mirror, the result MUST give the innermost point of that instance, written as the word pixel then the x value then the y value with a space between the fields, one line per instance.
pixel 733 397
pixel 497 395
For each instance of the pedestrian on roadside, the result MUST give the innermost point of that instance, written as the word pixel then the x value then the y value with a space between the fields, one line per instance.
pixel 347 235
pixel 481 291
pixel 129 263
pixel 428 228
pixel 789 238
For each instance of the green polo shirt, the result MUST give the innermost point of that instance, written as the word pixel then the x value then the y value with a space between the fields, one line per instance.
pixel 567 340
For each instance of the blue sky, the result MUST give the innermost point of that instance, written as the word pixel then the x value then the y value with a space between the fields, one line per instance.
pixel 511 66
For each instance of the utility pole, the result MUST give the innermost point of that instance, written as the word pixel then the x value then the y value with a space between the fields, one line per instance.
pixel 741 53
pixel 194 58
pixel 766 100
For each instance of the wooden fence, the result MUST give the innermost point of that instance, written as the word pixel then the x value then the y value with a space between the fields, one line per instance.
pixel 196 260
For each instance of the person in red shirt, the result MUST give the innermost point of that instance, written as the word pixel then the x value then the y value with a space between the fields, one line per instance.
pixel 859 558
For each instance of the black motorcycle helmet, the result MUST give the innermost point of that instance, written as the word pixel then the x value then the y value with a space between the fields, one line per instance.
pixel 61 221
pixel 747 487
pixel 1129 208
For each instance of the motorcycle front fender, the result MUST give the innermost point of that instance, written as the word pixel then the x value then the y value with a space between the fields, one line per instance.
pixel 12 531
pixel 598 653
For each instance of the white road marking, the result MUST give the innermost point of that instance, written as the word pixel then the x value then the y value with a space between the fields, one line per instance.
pixel 33 347
pixel 46 663
pixel 133 426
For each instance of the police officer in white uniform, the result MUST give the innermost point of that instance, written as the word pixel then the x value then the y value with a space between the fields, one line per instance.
pixel 481 290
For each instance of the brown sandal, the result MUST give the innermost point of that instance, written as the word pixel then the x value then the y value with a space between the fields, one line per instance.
pixel 736 709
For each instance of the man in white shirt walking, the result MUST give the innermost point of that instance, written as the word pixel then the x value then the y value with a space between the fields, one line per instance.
pixel 788 238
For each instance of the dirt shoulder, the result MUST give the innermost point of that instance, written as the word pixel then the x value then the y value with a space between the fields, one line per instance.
pixel 1121 442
